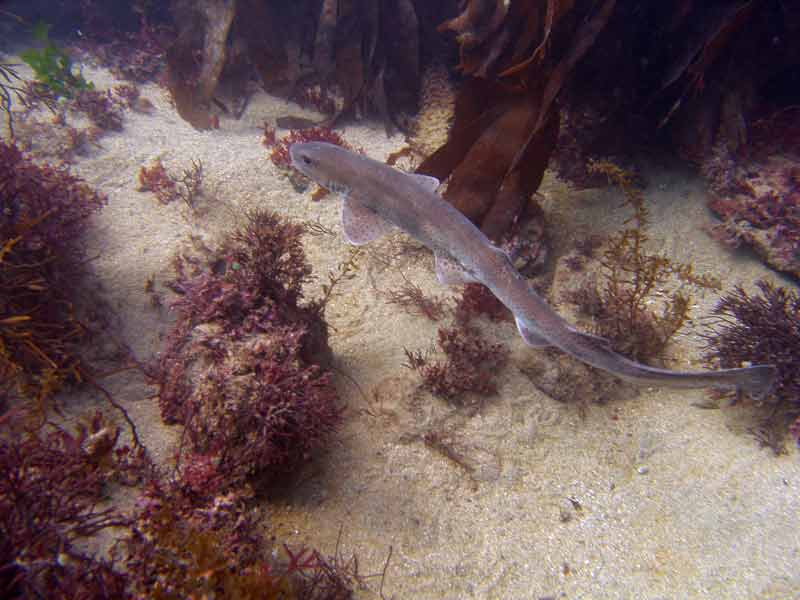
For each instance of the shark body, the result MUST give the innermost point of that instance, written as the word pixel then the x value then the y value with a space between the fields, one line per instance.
pixel 377 197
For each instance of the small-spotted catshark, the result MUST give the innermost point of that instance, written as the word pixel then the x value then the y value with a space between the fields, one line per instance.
pixel 376 197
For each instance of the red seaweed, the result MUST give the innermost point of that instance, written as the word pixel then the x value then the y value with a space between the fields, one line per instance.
pixel 243 367
pixel 762 328
pixel 45 212
pixel 280 150
pixel 51 485
pixel 413 300
pixel 476 299
pixel 471 365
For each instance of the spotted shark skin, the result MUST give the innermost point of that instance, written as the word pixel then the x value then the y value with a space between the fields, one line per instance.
pixel 376 198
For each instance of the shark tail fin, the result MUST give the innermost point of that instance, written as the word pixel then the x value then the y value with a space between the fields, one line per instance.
pixel 758 381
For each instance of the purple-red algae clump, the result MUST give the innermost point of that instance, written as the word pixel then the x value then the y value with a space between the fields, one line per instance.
pixel 176 544
pixel 104 109
pixel 762 328
pixel 51 485
pixel 280 149
pixel 760 207
pixel 156 179
pixel 476 299
pixel 180 548
pixel 470 365
pixel 44 206
pixel 45 210
pixel 244 367
pixel 468 371
pixel 243 372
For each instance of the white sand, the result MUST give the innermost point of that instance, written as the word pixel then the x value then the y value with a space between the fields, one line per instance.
pixel 641 498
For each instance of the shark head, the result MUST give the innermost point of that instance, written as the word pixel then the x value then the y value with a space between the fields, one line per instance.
pixel 322 162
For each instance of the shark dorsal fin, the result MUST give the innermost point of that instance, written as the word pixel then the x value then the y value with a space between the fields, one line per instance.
pixel 449 272
pixel 427 181
pixel 360 224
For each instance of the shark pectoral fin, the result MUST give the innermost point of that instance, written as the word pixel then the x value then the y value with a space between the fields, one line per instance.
pixel 531 338
pixel 426 180
pixel 501 252
pixel 449 272
pixel 360 224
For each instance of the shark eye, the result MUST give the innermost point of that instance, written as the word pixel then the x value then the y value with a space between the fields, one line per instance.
pixel 307 160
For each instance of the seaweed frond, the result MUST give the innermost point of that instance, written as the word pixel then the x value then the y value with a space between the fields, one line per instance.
pixel 53 65
pixel 345 271
pixel 413 300
pixel 168 188
pixel 45 210
pixel 8 91
pixel 633 278
pixel 471 365
pixel 762 328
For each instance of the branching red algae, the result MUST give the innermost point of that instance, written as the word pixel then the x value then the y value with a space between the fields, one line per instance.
pixel 413 300
pixel 279 154
pixel 761 328
pixel 471 365
pixel 44 212
pixel 468 371
pixel 168 188
pixel 181 548
pixel 51 485
pixel 178 543
pixel 243 367
pixel 242 373
pixel 156 179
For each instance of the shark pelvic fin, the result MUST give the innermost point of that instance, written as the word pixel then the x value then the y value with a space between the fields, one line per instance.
pixel 449 272
pixel 360 224
pixel 426 180
pixel 595 340
pixel 530 336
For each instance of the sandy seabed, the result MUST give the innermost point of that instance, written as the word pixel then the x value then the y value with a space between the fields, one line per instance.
pixel 645 497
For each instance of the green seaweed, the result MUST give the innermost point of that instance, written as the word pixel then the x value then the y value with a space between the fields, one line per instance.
pixel 53 65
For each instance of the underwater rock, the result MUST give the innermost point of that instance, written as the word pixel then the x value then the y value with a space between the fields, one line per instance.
pixel 203 30
pixel 219 15
pixel 761 209
pixel 244 367
pixel 256 407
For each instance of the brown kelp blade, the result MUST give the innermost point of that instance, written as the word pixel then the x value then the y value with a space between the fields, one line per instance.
pixel 506 123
